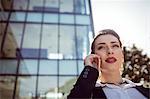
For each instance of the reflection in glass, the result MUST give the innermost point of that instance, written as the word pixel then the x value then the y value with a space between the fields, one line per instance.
pixel 82 41
pixel 51 5
pixel 65 85
pixel 30 46
pixel 66 6
pixel 9 44
pixel 34 17
pixel 2 29
pixel 36 5
pixel 50 40
pixel 47 85
pixel 17 16
pixel 28 66
pixel 67 18
pixel 8 66
pixel 26 87
pixel 82 19
pixel 6 87
pixel 87 6
pixel 20 5
pixel 67 42
pixel 48 67
pixel 80 66
pixel 52 18
pixel 80 6
pixel 67 67
pixel 17 29
pixel 4 16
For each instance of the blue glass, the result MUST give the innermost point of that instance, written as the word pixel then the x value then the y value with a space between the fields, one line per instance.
pixel 52 18
pixel 26 86
pixel 83 19
pixel 32 30
pixel 68 67
pixel 67 42
pixel 34 17
pixel 67 18
pixel 17 16
pixel 48 67
pixel 66 6
pixel 47 85
pixel 17 30
pixel 8 66
pixel 66 84
pixel 50 40
pixel 80 66
pixel 28 66
pixel 82 41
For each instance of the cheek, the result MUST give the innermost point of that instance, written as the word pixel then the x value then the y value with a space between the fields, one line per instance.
pixel 120 57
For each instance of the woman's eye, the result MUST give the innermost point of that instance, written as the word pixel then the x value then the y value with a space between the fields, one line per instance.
pixel 117 46
pixel 101 47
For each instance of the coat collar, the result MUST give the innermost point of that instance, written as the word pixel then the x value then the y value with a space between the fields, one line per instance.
pixel 126 84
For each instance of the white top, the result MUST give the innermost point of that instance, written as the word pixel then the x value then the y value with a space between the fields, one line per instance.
pixel 123 91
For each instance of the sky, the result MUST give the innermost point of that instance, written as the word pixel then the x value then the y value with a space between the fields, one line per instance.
pixel 129 18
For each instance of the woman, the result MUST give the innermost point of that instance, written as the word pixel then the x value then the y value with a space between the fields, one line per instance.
pixel 101 77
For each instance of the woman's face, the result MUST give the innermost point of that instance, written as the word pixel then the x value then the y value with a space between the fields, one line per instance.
pixel 109 49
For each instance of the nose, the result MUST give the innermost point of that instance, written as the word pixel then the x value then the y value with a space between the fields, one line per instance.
pixel 110 51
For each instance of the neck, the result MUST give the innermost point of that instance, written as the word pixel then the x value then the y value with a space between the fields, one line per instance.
pixel 111 77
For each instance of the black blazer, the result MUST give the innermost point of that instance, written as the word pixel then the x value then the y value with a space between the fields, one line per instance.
pixel 85 86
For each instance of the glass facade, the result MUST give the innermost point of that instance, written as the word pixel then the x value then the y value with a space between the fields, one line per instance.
pixel 42 46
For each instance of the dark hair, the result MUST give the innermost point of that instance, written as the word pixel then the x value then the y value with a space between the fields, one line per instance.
pixel 105 32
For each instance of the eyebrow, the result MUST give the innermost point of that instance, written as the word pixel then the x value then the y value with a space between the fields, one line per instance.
pixel 105 43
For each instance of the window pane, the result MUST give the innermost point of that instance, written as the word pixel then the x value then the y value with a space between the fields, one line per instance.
pixel 48 67
pixel 67 42
pixel 81 66
pixel 82 41
pixel 8 66
pixel 65 85
pixel 6 87
pixel 82 19
pixel 66 18
pixel 87 6
pixel 47 86
pixel 66 6
pixel 67 67
pixel 17 16
pixel 17 29
pixel 36 5
pixel 52 5
pixel 3 26
pixel 26 87
pixel 30 46
pixel 80 6
pixel 4 16
pixel 34 17
pixel 20 4
pixel 50 41
pixel 10 44
pixel 28 67
pixel 52 18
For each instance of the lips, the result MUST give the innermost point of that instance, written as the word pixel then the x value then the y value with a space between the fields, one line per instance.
pixel 111 60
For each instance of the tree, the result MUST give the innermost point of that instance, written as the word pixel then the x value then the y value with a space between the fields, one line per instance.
pixel 136 66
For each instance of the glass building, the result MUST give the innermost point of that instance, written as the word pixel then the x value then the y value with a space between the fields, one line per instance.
pixel 42 46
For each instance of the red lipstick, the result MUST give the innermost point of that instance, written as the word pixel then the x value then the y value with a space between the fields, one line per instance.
pixel 111 60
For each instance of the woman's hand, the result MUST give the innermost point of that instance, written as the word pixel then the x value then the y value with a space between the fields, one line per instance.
pixel 93 60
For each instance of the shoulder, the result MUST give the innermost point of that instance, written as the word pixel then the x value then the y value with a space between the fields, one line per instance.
pixel 145 91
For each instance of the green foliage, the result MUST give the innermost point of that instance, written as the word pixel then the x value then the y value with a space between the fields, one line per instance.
pixel 136 66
